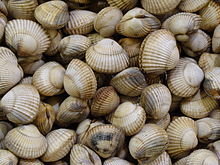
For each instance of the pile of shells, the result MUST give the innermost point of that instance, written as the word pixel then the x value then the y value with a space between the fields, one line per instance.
pixel 109 82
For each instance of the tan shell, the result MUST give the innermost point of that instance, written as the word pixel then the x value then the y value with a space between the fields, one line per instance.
pixel 59 142
pixel 26 37
pixel 60 162
pixel 105 101
pixel 7 56
pixel 106 21
pixel 163 122
pixel 6 158
pixel 4 128
pixel 3 21
pixel 185 79
pixel 116 161
pixel 30 162
pixel 81 22
pixel 81 154
pixel 215 114
pixel 107 56
pixel 55 102
pixel 106 140
pixel 152 78
pixel 158 52
pixel 182 133
pixel 208 61
pixel 215 147
pixel 21 103
pixel 95 37
pixel 18 141
pixel 52 14
pixel 134 100
pixel 137 23
pixel 129 82
pixel 79 80
pixel 163 159
pixel 216 40
pixel 198 106
pixel 3 7
pixel 181 161
pixel 123 5
pixel 192 5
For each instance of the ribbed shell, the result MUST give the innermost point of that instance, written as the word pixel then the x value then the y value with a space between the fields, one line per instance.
pixel 116 161
pixel 3 7
pixel 59 142
pixel 216 40
pixel 7 56
pixel 95 37
pixel 182 134
pixel 137 23
pixel 52 14
pixel 60 162
pixel 215 114
pixel 163 122
pixel 7 158
pixel 26 80
pixel 79 80
pixel 81 22
pixel 163 159
pixel 30 162
pixel 107 56
pixel 4 128
pixel 208 61
pixel 21 104
pixel 215 147
pixel 81 154
pixel 123 5
pixel 181 161
pixel 26 37
pixel 26 142
pixel 192 5
pixel 158 52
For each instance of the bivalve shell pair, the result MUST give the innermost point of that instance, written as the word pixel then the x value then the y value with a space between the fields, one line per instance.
pixel 192 5
pixel 6 157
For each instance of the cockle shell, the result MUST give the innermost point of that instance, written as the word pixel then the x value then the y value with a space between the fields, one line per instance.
pixel 116 161
pixel 216 40
pixel 95 37
pixel 181 161
pixel 163 122
pixel 215 114
pixel 4 128
pixel 7 56
pixel 30 162
pixel 26 80
pixel 208 61
pixel 192 5
pixel 6 158
pixel 163 159
pixel 123 5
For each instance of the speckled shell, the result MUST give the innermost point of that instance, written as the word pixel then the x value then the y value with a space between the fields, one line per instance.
pixel 95 37
pixel 163 159
pixel 208 61
pixel 107 56
pixel 116 161
pixel 7 158
pixel 163 122
pixel 26 37
pixel 4 128
pixel 192 5
pixel 59 142
pixel 80 154
pixel 123 5
pixel 137 23
pixel 215 114
pixel 30 162
pixel 81 22
pixel 106 140
pixel 216 40
pixel 18 141
pixel 182 133
pixel 79 80
pixel 21 103
pixel 158 52
pixel 215 147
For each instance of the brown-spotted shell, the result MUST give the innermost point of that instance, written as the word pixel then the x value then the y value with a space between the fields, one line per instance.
pixel 4 128
pixel 6 158
pixel 216 40
pixel 162 159
pixel 163 122
pixel 123 5
pixel 116 161
pixel 192 5
pixel 207 61
pixel 30 162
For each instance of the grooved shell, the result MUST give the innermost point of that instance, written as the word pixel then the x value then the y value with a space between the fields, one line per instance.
pixel 163 122
pixel 208 61
pixel 4 128
pixel 80 80
pixel 116 161
pixel 107 56
pixel 181 161
pixel 59 142
pixel 60 162
pixel 3 7
pixel 95 37
pixel 123 5
pixel 158 52
pixel 26 142
pixel 163 159
pixel 7 56
pixel 21 104
pixel 26 80
pixel 30 162
pixel 8 158
pixel 192 5
pixel 216 40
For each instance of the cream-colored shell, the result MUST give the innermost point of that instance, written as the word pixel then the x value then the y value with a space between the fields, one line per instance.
pixel 163 159
pixel 123 5
pixel 208 61
pixel 216 40
pixel 95 37
pixel 192 5
pixel 26 80
pixel 6 158
pixel 29 65
pixel 30 162
pixel 116 161
pixel 215 114
pixel 4 128
pixel 163 122
pixel 215 147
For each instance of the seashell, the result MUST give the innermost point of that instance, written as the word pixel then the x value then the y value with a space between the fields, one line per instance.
pixel 4 128
pixel 106 21
pixel 152 78
pixel 137 23
pixel 105 101
pixel 123 153
pixel 6 158
pixel 163 159
pixel 181 161
pixel 79 80
pixel 3 8
pixel 72 110
pixel 55 102
pixel 116 161
pixel 60 162
pixel 182 134
pixel 21 103
pixel 215 147
pixel 95 37
pixel 129 82
pixel 101 78
pixel 18 141
pixel 129 117
pixel 175 102
pixel 151 60
pixel 123 5
pixel 106 140
pixel 26 80
pixel 198 43
pixel 208 61
pixel 48 79
pixel 149 143
pixel 81 1
pixel 208 129
pixel 52 14
pixel 22 9
pixel 198 106
pixel 216 40
pixel 215 114
pixel 163 122
pixel 182 25
pixel 7 56
pixel 29 65
pixel 26 37
pixel 134 100
pixel 107 56
pixel 30 162
pixel 80 154
pixel 185 79
pixel 156 100
pixel 81 22
pixel 159 6
pixel 210 16
pixel 59 142
pixel 192 5
pixel 73 46
pixel 3 21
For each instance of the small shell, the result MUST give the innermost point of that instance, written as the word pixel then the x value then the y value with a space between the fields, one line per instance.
pixel 52 14
pixel 4 128
pixel 158 52
pixel 182 133
pixel 208 61
pixel 123 5
pixel 107 56
pixel 95 37
pixel 163 122
pixel 7 158
pixel 215 114
pixel 137 23
pixel 59 142
pixel 116 161
pixel 30 162
pixel 129 82
pixel 216 40
pixel 79 80
pixel 163 159
pixel 192 5
pixel 215 147
pixel 81 154
pixel 18 141
pixel 21 104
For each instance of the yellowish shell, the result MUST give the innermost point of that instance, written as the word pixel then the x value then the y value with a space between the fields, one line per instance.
pixel 192 5
pixel 123 5
pixel 6 158
pixel 30 162
pixel 216 40
pixel 116 161
pixel 208 61
pixel 163 159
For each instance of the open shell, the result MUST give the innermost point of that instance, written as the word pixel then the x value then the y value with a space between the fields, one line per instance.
pixel 6 158
pixel 192 5
pixel 30 162
pixel 208 61
pixel 216 40
pixel 116 161
pixel 123 5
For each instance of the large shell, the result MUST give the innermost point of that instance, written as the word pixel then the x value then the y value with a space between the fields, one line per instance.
pixel 4 128
pixel 107 56
pixel 8 158
pixel 30 162
pixel 159 52
pixel 116 161
pixel 123 5
pixel 192 5
pixel 208 61
pixel 182 133
pixel 216 40
pixel 79 80
pixel 26 37
pixel 26 142
pixel 59 142
pixel 21 103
